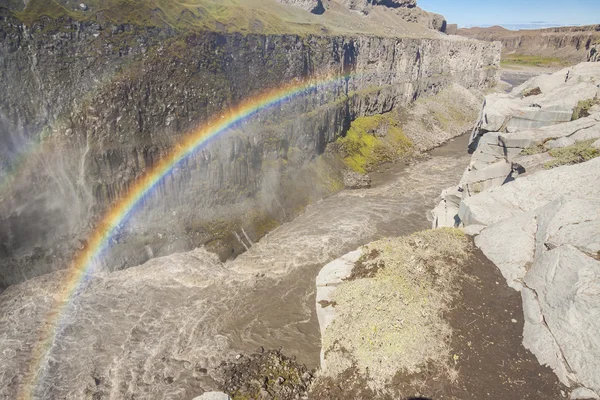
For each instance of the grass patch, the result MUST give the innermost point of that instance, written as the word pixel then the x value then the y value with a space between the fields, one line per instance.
pixel 575 154
pixel 532 61
pixel 533 149
pixel 393 321
pixel 249 16
pixel 582 109
pixel 371 141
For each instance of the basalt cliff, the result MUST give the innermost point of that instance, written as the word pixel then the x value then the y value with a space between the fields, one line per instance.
pixel 95 95
pixel 568 44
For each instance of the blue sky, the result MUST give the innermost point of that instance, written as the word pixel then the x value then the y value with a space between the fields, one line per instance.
pixel 516 13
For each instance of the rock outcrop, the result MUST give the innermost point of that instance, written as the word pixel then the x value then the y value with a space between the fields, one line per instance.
pixel 528 196
pixel 594 53
pixel 365 5
pixel 116 118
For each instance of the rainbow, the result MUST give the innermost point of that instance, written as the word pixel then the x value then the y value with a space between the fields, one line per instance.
pixel 84 262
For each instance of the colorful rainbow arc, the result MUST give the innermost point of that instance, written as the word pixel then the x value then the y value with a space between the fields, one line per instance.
pixel 99 239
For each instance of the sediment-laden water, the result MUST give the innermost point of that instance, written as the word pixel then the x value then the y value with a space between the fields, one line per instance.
pixel 157 331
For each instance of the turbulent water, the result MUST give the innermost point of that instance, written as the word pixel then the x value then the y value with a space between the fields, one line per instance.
pixel 158 330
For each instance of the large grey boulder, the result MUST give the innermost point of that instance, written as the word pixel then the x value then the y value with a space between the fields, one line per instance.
pixel 559 93
pixel 564 303
pixel 541 227
pixel 531 192
pixel 551 256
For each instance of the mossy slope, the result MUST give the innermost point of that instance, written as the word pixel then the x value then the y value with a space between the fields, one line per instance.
pixel 371 141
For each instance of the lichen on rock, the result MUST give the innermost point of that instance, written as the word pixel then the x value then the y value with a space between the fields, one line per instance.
pixel 392 320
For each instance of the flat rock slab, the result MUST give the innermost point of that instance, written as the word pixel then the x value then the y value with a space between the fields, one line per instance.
pixel 565 286
pixel 531 192
pixel 213 396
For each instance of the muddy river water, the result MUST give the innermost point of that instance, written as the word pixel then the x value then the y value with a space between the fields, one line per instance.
pixel 281 310
pixel 158 331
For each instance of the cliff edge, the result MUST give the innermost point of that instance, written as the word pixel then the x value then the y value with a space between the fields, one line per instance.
pixel 530 196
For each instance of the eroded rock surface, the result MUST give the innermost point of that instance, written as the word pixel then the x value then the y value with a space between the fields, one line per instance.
pixel 528 196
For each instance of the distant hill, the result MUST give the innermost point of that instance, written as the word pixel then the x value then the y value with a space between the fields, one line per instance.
pixel 567 44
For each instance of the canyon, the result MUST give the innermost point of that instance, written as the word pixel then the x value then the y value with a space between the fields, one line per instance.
pixel 98 99
pixel 232 199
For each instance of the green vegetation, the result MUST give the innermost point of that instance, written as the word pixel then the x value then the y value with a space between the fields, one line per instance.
pixel 192 15
pixel 575 154
pixel 533 149
pixel 244 16
pixel 583 107
pixel 530 60
pixel 392 319
pixel 371 141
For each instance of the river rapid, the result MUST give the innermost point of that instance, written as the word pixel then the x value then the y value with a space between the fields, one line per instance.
pixel 160 330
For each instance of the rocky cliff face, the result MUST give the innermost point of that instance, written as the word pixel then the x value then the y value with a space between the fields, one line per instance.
pixel 95 104
pixel 406 10
pixel 567 43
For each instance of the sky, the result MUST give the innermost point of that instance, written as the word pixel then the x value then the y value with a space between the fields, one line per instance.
pixel 516 14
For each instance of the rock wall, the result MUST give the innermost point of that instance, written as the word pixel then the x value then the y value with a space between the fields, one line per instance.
pixel 569 43
pixel 527 189
pixel 404 9
pixel 111 100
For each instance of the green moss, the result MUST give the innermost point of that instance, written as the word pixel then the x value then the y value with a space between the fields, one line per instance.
pixel 531 60
pixel 371 141
pixel 582 108
pixel 575 154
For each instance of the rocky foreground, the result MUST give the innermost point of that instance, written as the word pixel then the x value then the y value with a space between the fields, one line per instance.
pixel 531 195
pixel 397 316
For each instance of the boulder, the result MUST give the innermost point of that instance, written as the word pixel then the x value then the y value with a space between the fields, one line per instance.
pixel 550 100
pixel 354 180
pixel 558 143
pixel 330 276
pixel 518 234
pixel 446 213
pixel 531 192
pixel 542 230
pixel 564 283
